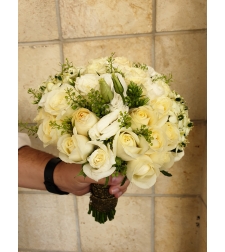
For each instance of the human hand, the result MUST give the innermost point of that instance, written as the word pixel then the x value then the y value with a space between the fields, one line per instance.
pixel 67 179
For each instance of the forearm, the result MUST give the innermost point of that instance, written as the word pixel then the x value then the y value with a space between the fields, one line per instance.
pixel 31 165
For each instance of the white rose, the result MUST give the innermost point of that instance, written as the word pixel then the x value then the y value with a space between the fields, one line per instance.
pixel 119 62
pixel 143 115
pixel 41 116
pixel 159 142
pixel 128 146
pixel 156 89
pixel 97 65
pixel 55 103
pixel 136 75
pixel 51 86
pixel 106 127
pixel 101 162
pixel 164 159
pixel 46 133
pixel 86 82
pixel 142 172
pixel 162 105
pixel 83 119
pixel 74 149
pixel 173 135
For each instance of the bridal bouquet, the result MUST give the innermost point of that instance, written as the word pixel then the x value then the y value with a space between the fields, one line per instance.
pixel 114 117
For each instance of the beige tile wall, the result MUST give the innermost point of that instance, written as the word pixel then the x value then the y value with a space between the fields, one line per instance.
pixel 169 35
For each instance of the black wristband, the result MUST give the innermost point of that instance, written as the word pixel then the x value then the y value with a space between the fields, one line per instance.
pixel 48 176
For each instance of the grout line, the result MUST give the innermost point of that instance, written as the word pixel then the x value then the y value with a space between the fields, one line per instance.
pixel 153 195
pixel 59 30
pixel 77 225
pixel 203 202
pixel 81 39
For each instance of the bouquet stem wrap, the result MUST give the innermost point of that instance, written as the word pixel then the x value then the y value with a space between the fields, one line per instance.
pixel 102 204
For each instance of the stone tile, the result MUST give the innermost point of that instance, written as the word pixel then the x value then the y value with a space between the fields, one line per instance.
pixel 133 189
pixel 203 229
pixel 47 222
pixel 186 173
pixel 136 49
pixel 129 231
pixel 184 55
pixel 175 224
pixel 35 65
pixel 174 15
pixel 37 20
pixel 107 17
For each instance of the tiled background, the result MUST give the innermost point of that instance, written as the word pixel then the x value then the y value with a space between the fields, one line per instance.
pixel 169 35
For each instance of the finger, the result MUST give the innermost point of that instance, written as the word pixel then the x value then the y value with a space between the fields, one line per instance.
pixel 118 190
pixel 111 181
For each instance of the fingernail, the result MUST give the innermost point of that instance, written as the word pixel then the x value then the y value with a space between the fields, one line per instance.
pixel 115 190
pixel 116 179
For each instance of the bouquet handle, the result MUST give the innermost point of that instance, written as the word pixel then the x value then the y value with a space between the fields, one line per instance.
pixel 102 204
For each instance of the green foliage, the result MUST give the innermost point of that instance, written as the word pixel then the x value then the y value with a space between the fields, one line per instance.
pixel 141 66
pixel 65 126
pixel 93 102
pixel 167 79
pixel 124 119
pixel 97 103
pixel 134 98
pixel 121 167
pixel 110 68
pixel 69 70
pixel 31 129
pixel 166 173
pixel 145 132
pixel 109 141
pixel 36 94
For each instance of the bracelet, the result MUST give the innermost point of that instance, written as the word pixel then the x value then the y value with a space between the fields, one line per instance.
pixel 48 176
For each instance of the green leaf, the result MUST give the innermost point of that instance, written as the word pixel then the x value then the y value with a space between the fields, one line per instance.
pixel 166 173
